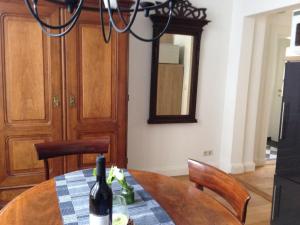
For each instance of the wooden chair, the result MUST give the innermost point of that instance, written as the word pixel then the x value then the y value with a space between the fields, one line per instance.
pixel 54 149
pixel 2 204
pixel 229 188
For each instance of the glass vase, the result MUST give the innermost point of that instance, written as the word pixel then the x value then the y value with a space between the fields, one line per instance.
pixel 128 194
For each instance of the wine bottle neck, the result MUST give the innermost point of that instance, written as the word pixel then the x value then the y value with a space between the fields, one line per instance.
pixel 100 169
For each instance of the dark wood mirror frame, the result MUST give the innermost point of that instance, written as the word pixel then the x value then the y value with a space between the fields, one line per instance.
pixel 187 20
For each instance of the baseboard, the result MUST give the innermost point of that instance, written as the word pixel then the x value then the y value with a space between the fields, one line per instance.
pixel 260 162
pixel 225 167
pixel 237 168
pixel 173 171
pixel 270 162
pixel 168 171
pixel 249 166
pixel 180 170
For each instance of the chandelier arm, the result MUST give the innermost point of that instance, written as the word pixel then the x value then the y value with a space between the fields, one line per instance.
pixel 121 15
pixel 35 14
pixel 171 5
pixel 67 30
pixel 124 10
pixel 105 37
pixel 157 36
pixel 128 26
pixel 160 5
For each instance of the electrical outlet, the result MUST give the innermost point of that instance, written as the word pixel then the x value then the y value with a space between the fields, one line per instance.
pixel 208 153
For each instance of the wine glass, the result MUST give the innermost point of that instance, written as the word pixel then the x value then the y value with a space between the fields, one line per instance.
pixel 120 212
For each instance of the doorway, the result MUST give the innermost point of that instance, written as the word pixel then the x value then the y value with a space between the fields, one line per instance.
pixel 274 122
pixel 277 40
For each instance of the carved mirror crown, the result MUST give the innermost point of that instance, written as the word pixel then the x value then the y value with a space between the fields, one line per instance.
pixel 184 9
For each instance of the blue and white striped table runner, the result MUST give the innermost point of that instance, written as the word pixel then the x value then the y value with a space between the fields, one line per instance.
pixel 73 197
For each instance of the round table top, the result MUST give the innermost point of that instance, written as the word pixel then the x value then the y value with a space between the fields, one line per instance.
pixel 185 204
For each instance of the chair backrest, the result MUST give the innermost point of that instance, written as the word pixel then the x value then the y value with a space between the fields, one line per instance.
pixel 54 149
pixel 228 187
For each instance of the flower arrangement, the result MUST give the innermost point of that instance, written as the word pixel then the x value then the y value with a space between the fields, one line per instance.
pixel 127 190
pixel 118 174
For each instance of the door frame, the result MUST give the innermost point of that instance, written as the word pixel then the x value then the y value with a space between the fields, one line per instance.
pixel 266 91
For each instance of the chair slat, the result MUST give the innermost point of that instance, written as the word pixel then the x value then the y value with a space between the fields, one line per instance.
pixel 204 175
pixel 55 149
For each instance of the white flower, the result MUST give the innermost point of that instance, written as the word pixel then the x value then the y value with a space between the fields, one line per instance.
pixel 119 174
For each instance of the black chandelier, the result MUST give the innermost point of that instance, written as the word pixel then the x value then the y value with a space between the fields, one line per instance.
pixel 112 7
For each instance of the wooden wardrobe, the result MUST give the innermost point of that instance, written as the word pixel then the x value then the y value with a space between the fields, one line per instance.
pixel 57 89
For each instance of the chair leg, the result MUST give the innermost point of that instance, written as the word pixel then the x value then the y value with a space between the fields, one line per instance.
pixel 2 204
pixel 200 187
pixel 47 175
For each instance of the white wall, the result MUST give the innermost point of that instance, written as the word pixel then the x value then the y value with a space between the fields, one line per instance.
pixel 223 95
pixel 251 7
pixel 253 96
pixel 165 148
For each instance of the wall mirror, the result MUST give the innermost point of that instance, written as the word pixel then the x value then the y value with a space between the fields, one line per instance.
pixel 175 64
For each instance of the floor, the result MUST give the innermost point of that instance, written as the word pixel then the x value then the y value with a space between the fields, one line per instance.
pixel 260 181
pixel 271 153
pixel 259 184
pixel 271 149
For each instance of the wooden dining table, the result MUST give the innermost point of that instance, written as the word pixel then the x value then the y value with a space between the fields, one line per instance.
pixel 185 204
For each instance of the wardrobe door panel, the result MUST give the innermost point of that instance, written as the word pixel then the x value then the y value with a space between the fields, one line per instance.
pixel 88 160
pixel 21 154
pixel 23 68
pixel 30 77
pixel 96 78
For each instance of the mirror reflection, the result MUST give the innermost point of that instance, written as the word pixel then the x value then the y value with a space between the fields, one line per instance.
pixel 174 74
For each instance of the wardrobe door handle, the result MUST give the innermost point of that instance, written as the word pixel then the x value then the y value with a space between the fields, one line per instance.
pixel 72 101
pixel 285 117
pixel 56 101
pixel 282 121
